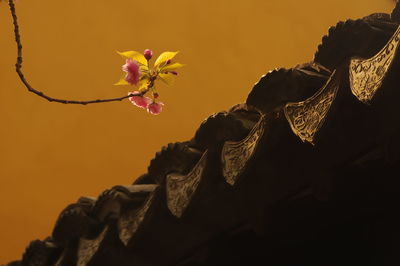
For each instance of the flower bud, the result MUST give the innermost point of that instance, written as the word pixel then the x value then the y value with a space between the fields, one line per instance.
pixel 168 62
pixel 174 72
pixel 155 95
pixel 148 54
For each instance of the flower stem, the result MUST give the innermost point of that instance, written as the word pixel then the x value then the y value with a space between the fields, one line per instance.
pixel 18 68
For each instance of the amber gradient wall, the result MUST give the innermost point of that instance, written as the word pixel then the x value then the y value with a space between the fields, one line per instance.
pixel 50 154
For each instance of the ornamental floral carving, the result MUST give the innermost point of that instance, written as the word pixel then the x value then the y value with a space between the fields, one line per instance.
pixel 88 247
pixel 130 221
pixel 307 117
pixel 366 76
pixel 236 154
pixel 181 188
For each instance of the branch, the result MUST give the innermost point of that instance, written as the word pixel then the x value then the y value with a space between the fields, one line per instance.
pixel 18 67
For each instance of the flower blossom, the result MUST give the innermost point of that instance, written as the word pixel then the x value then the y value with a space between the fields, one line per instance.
pixel 132 70
pixel 138 73
pixel 155 108
pixel 140 101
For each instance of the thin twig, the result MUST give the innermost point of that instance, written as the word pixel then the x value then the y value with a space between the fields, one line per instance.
pixel 18 67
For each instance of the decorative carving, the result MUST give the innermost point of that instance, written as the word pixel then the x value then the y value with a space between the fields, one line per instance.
pixel 40 252
pixel 307 117
pixel 181 188
pixel 112 201
pixel 235 155
pixel 218 128
pixel 75 221
pixel 175 157
pixel 88 247
pixel 366 76
pixel 280 86
pixel 130 221
pixel 360 38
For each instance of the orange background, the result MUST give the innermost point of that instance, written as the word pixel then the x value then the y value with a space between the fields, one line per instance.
pixel 50 154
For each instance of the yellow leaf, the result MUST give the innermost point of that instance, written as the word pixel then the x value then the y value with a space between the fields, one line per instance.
pixel 172 67
pixel 144 69
pixel 167 78
pixel 164 57
pixel 122 81
pixel 134 56
pixel 143 84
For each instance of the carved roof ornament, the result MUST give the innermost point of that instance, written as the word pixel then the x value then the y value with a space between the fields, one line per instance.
pixel 307 117
pixel 88 247
pixel 236 154
pixel 181 188
pixel 130 221
pixel 366 75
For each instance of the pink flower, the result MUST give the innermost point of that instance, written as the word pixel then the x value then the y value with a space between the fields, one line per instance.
pixel 148 54
pixel 140 101
pixel 132 70
pixel 155 108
